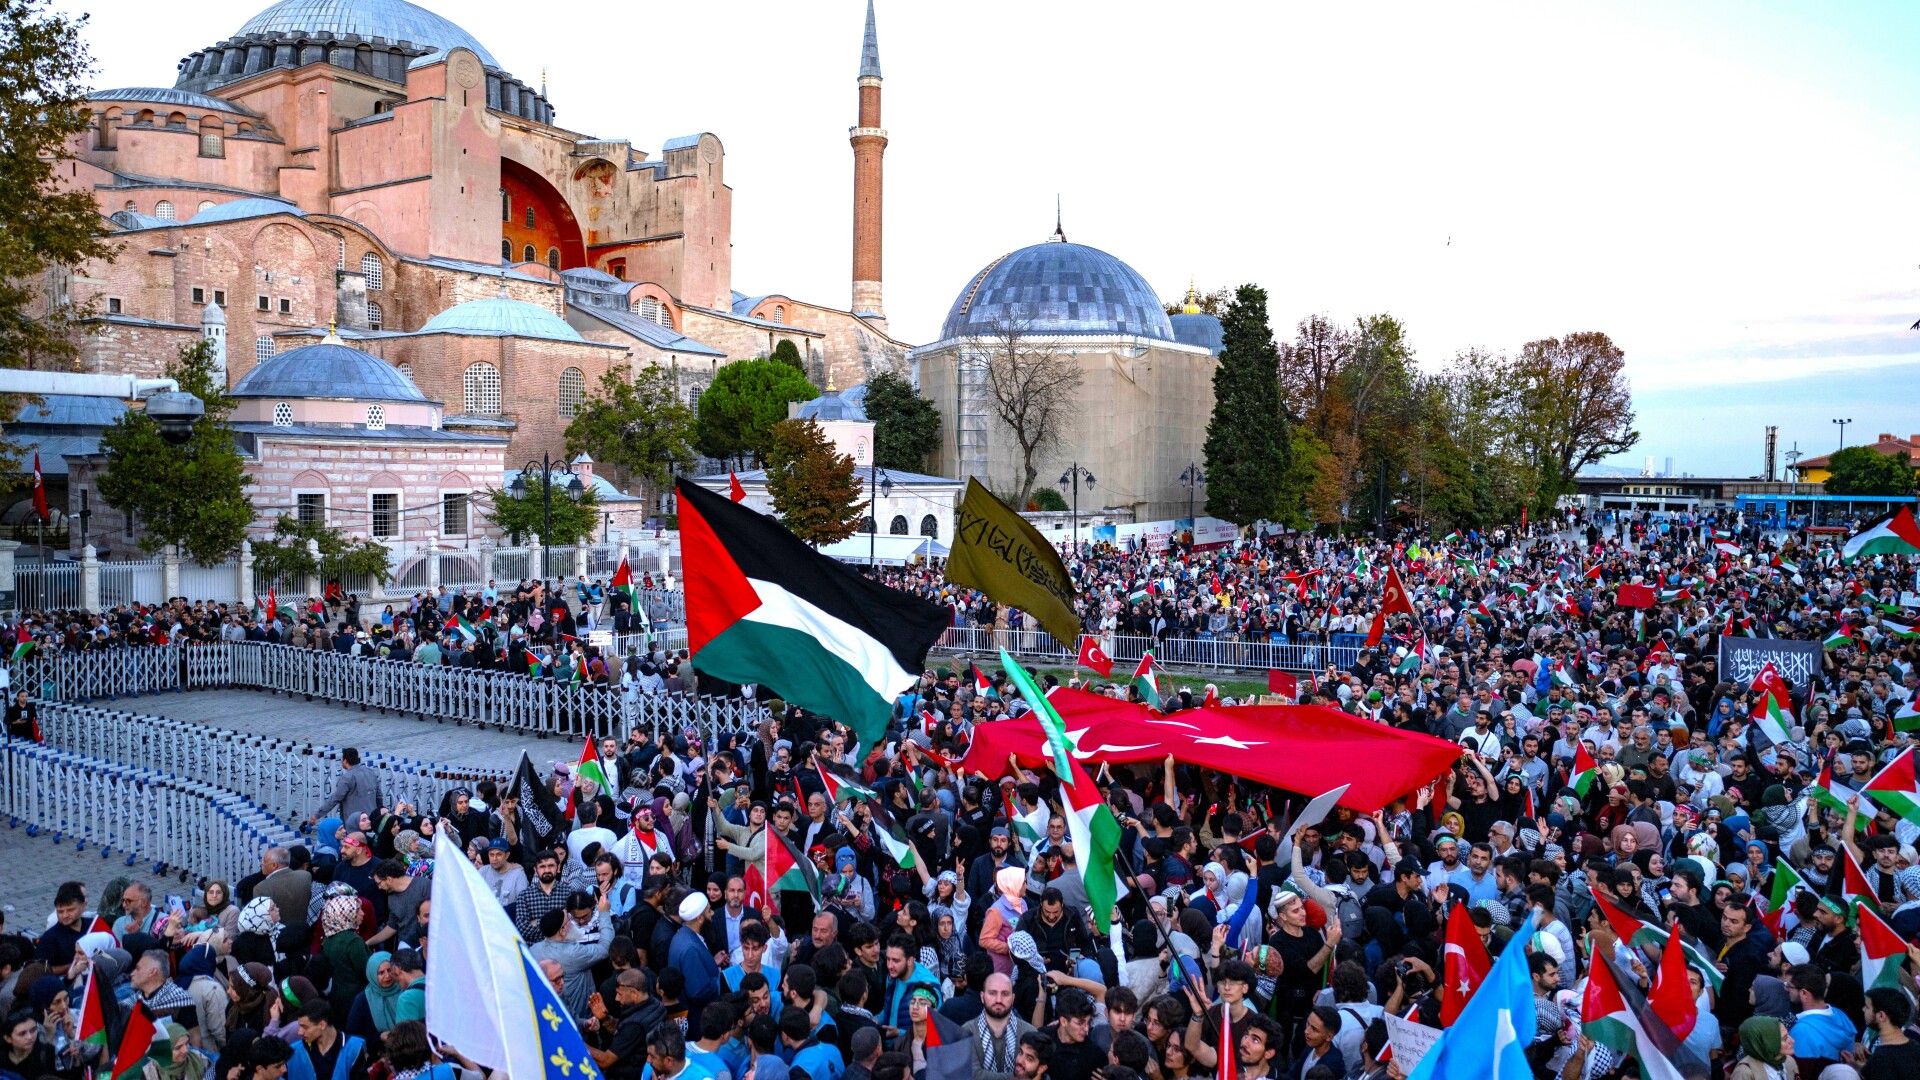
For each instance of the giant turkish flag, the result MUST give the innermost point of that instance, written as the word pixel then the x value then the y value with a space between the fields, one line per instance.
pixel 1301 748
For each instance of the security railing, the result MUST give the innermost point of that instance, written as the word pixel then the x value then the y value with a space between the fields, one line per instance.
pixel 1215 654
pixel 177 824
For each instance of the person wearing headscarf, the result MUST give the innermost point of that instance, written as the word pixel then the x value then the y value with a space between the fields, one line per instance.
pixel 374 1010
pixel 1003 914
pixel 219 907
pixel 259 939
pixel 1766 1051
pixel 326 837
pixel 1146 973
pixel 59 1024
pixel 1770 998
pixel 846 890
pixel 290 995
pixel 172 1057
pixel 199 977
pixel 342 946
pixel 249 996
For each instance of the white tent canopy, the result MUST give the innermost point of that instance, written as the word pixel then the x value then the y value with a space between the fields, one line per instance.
pixel 890 550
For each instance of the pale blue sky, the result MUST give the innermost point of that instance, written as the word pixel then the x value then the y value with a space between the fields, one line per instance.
pixel 1725 188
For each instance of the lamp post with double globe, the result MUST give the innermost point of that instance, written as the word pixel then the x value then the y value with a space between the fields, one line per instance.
pixel 545 476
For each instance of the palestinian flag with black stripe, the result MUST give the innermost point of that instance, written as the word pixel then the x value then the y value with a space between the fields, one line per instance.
pixel 1895 534
pixel 763 607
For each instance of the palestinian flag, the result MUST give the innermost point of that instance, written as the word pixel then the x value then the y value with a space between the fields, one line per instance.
pixel 21 651
pixel 1031 828
pixel 1785 881
pixel 1842 636
pixel 534 664
pixel 1142 592
pixel 1854 888
pixel 1674 596
pixel 1480 611
pixel 892 835
pixel 981 684
pixel 623 579
pixel 458 624
pixel 782 868
pixel 1415 655
pixel 590 767
pixel 93 1014
pixel 1821 791
pixel 1773 708
pixel 1896 788
pixel 1895 534
pixel 129 1062
pixel 1451 538
pixel 763 607
pixel 841 783
pixel 1639 935
pixel 1585 769
pixel 1907 717
pixel 1896 628
pixel 1096 839
pixel 1881 950
pixel 1059 744
pixel 1520 588
pixel 1144 681
pixel 1615 1015
pixel 1561 674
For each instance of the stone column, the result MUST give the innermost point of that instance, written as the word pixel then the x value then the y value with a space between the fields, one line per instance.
pixel 89 578
pixel 316 586
pixel 9 592
pixel 486 563
pixel 581 552
pixel 170 570
pixel 246 571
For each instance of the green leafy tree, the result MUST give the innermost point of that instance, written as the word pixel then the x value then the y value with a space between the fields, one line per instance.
pixel 906 426
pixel 1249 444
pixel 194 494
pixel 746 399
pixel 786 352
pixel 44 232
pixel 1860 470
pixel 341 556
pixel 640 430
pixel 814 488
pixel 575 518
pixel 1045 498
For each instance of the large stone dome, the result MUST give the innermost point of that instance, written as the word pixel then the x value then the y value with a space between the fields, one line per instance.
pixel 373 20
pixel 1058 289
pixel 328 369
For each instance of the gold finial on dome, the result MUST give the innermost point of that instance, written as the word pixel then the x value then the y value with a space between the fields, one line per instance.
pixel 830 388
pixel 1192 306
pixel 333 333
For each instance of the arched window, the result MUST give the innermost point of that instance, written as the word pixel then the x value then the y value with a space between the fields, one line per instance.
pixel 213 137
pixel 573 391
pixel 506 250
pixel 131 207
pixel 553 258
pixel 370 269
pixel 262 349
pixel 374 315
pixel 163 210
pixel 779 313
pixel 506 205
pixel 103 135
pixel 145 118
pixel 898 527
pixel 527 254
pixel 177 120
pixel 205 205
pixel 406 371
pixel 482 386
pixel 282 415
pixel 930 526
pixel 376 418
pixel 866 524
pixel 529 221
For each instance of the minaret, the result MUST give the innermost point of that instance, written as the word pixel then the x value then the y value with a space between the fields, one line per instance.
pixel 869 141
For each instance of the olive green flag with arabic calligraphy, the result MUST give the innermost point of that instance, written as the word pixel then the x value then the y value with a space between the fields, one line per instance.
pixel 996 551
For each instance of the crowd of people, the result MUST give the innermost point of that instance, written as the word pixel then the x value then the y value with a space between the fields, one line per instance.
pixel 650 915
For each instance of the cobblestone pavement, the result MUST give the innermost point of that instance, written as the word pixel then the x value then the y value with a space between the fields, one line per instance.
pixel 31 868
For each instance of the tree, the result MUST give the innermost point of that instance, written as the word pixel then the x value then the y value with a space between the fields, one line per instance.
pixel 1033 389
pixel 814 488
pixel 906 426
pixel 574 519
pixel 786 352
pixel 1248 447
pixel 1860 470
pixel 1213 303
pixel 745 401
pixel 641 429
pixel 193 494
pixel 341 556
pixel 1578 402
pixel 1046 498
pixel 44 231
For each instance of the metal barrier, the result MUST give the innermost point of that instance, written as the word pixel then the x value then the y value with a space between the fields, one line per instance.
pixel 288 778
pixel 181 825
pixel 1208 653
pixel 665 605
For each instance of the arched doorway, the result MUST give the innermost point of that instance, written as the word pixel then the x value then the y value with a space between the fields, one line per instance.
pixel 535 215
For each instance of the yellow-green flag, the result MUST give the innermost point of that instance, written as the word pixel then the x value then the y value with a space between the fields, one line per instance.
pixel 997 552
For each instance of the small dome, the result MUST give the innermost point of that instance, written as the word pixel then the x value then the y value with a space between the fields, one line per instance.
pixel 501 317
pixel 1058 289
pixel 167 95
pixel 244 208
pixel 377 20
pixel 1198 329
pixel 843 406
pixel 326 370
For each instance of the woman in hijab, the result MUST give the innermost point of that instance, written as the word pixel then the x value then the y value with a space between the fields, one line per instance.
pixel 59 1027
pixel 343 948
pixel 199 979
pixel 217 904
pixel 1146 973
pixel 172 1057
pixel 249 996
pixel 259 938
pixel 1769 997
pixel 1766 1051
pixel 374 1008
pixel 1003 914
pixel 326 837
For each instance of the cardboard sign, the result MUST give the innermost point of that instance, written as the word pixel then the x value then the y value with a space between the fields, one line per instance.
pixel 1410 1041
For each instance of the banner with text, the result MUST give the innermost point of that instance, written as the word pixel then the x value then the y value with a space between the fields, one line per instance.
pixel 1741 658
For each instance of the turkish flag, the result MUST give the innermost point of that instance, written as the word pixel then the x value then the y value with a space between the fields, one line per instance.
pixel 1093 658
pixel 1392 599
pixel 1287 686
pixel 39 490
pixel 1467 964
pixel 1672 997
pixel 1636 596
pixel 734 490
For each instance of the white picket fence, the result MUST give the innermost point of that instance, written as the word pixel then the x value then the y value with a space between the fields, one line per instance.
pixel 176 824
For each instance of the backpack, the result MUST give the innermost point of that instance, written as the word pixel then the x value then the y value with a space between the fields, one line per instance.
pixel 1353 919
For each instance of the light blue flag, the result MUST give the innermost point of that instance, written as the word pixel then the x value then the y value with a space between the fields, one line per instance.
pixel 1488 1041
pixel 485 994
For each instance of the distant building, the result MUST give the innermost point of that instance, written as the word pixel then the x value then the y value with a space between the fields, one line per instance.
pixel 1817 469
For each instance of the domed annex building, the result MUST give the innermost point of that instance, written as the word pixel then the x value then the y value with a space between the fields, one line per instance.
pixel 370 165
pixel 1146 381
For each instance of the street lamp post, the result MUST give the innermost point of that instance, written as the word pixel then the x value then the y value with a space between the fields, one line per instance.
pixel 1843 430
pixel 1070 483
pixel 574 490
pixel 1191 478
pixel 877 481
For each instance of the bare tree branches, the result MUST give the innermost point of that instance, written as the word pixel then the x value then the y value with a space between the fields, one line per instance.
pixel 1033 386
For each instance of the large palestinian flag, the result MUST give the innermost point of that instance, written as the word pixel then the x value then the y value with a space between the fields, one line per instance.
pixel 781 868
pixel 1897 787
pixel 1881 950
pixel 1616 1015
pixel 1895 534
pixel 763 607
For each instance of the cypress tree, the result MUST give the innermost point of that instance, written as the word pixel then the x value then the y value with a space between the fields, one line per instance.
pixel 1249 444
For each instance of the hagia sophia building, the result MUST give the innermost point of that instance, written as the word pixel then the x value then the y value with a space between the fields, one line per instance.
pixel 363 176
